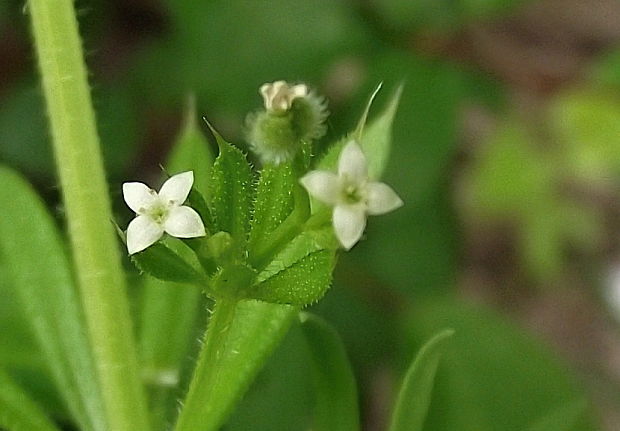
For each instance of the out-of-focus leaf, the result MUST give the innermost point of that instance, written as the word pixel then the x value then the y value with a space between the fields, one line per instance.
pixel 169 317
pixel 563 418
pixel 585 122
pixel 303 283
pixel 191 152
pixel 336 391
pixel 284 383
pixel 415 393
pixel 486 378
pixel 35 257
pixel 256 43
pixel 375 141
pixel 17 411
pixel 403 15
pixel 25 141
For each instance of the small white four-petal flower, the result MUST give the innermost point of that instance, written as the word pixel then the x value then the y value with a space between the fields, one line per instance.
pixel 351 193
pixel 161 212
pixel 279 95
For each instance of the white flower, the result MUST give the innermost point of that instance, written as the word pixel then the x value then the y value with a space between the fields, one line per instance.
pixel 279 96
pixel 351 194
pixel 161 212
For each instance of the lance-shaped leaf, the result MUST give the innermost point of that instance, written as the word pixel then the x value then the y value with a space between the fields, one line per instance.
pixel 163 263
pixel 274 201
pixel 415 393
pixel 336 392
pixel 255 331
pixel 231 191
pixel 375 138
pixel 18 412
pixel 31 248
pixel 302 283
pixel 191 151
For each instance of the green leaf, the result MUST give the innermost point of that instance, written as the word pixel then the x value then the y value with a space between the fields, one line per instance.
pixel 231 191
pixel 302 283
pixel 161 262
pixel 377 137
pixel 498 364
pixel 191 152
pixel 255 331
pixel 565 417
pixel 18 412
pixel 274 201
pixel 375 141
pixel 35 259
pixel 415 393
pixel 169 320
pixel 336 392
pixel 301 246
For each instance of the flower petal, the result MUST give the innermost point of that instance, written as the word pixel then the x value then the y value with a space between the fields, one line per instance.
pixel 352 163
pixel 142 232
pixel 382 199
pixel 349 223
pixel 184 222
pixel 323 185
pixel 176 188
pixel 139 197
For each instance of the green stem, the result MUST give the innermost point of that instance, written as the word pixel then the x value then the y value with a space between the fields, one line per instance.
pixel 199 403
pixel 95 252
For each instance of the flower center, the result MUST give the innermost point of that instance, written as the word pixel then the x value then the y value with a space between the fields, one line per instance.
pixel 352 194
pixel 158 212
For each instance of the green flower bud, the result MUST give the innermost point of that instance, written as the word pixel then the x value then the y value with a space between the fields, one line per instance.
pixel 292 115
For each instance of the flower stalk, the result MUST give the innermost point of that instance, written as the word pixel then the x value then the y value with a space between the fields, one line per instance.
pixel 95 252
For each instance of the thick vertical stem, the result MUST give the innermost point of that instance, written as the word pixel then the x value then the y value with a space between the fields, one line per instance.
pixel 80 168
pixel 198 402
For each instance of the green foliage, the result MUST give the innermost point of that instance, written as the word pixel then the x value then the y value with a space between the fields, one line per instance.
pixel 486 377
pixel 17 411
pixel 191 152
pixel 274 201
pixel 231 192
pixel 48 297
pixel 513 179
pixel 566 417
pixel 415 393
pixel 161 262
pixel 336 392
pixel 254 332
pixel 302 283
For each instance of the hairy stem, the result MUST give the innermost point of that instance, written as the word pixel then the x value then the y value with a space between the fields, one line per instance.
pixel 95 253
pixel 199 403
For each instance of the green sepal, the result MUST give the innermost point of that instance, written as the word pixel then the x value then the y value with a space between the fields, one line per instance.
pixel 231 191
pixel 374 137
pixel 302 283
pixel 161 262
pixel 273 203
pixel 414 396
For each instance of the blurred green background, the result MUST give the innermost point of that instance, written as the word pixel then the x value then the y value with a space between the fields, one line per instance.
pixel 506 152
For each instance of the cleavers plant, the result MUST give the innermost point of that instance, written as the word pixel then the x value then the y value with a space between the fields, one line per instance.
pixel 256 245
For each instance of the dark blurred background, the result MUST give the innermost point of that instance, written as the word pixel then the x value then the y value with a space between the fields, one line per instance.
pixel 506 151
